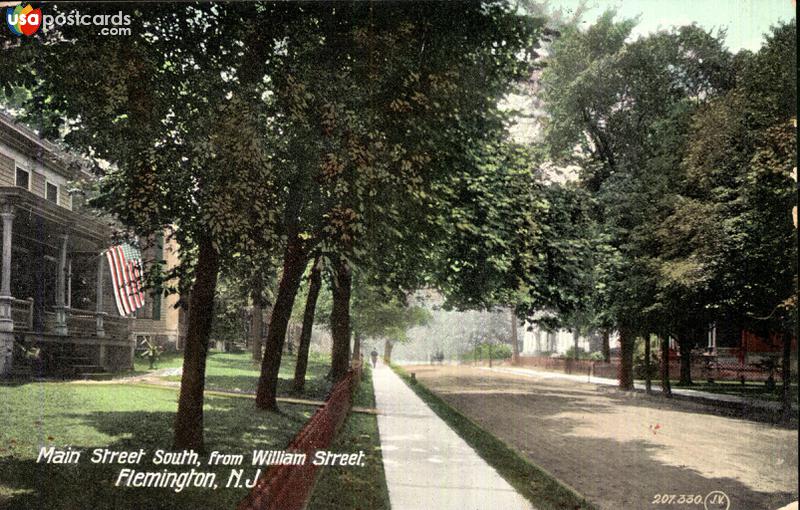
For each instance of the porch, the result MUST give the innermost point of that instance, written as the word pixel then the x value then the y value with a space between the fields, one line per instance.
pixel 57 313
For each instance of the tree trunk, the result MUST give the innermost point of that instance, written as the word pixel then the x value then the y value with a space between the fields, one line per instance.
pixel 606 347
pixel 575 338
pixel 514 338
pixel 786 371
pixel 387 351
pixel 684 343
pixel 293 265
pixel 256 326
pixel 666 387
pixel 648 382
pixel 314 285
pixel 356 347
pixel 626 342
pixel 189 418
pixel 340 321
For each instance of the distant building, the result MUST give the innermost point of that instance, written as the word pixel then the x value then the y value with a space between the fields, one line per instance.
pixel 537 341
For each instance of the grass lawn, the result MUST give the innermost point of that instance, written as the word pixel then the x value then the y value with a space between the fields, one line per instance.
pixel 752 389
pixel 141 365
pixel 126 417
pixel 539 487
pixel 237 372
pixel 355 487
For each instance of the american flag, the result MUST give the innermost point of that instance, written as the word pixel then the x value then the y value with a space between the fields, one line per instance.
pixel 125 263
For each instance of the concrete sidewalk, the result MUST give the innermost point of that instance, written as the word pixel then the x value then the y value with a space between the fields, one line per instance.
pixel 696 394
pixel 427 465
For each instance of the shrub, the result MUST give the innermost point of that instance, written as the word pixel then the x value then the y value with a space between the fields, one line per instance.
pixel 592 356
pixel 498 351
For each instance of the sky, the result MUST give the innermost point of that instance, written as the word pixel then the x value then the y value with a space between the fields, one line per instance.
pixel 746 20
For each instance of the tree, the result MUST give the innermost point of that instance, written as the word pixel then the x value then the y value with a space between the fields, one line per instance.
pixel 230 312
pixel 607 100
pixel 378 316
pixel 512 239
pixel 377 137
pixel 740 174
pixel 342 279
pixel 176 112
pixel 314 287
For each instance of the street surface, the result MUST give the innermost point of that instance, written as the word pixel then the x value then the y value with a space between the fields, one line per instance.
pixel 626 451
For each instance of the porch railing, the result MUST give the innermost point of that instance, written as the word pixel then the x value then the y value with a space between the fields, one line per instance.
pixel 79 322
pixel 22 313
pixel 116 327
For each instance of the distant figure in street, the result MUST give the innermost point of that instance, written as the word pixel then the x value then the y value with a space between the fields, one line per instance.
pixel 374 356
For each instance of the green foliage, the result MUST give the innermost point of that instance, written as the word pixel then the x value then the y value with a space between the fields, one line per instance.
pixel 684 172
pixel 379 316
pixel 739 175
pixel 568 264
pixel 493 234
pixel 173 115
pixel 231 313
pixel 387 118
pixel 582 354
pixel 486 350
pixel 151 351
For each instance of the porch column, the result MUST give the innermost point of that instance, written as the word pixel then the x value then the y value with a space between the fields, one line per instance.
pixel 102 356
pixel 99 313
pixel 61 310
pixel 132 339
pixel 6 321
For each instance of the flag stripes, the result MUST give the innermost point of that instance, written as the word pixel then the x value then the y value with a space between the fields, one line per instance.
pixel 124 261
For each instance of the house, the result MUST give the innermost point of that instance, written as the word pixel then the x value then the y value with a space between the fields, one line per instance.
pixel 161 319
pixel 538 341
pixel 57 310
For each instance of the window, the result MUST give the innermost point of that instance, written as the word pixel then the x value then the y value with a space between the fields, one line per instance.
pixel 156 314
pixel 23 178
pixel 52 192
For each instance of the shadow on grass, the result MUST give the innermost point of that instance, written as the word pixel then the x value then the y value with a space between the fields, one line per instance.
pixel 231 426
pixel 315 389
pixel 240 373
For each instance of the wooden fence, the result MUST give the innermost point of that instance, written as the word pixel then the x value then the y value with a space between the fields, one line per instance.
pixel 288 487
pixel 701 368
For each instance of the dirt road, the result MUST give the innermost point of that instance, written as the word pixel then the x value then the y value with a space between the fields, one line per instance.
pixel 626 451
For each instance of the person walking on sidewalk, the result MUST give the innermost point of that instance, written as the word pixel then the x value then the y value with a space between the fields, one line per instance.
pixel 374 356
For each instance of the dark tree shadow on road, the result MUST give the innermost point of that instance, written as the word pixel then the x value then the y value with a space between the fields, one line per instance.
pixel 542 420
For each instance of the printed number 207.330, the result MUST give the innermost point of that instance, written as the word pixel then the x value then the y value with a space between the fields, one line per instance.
pixel 677 499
